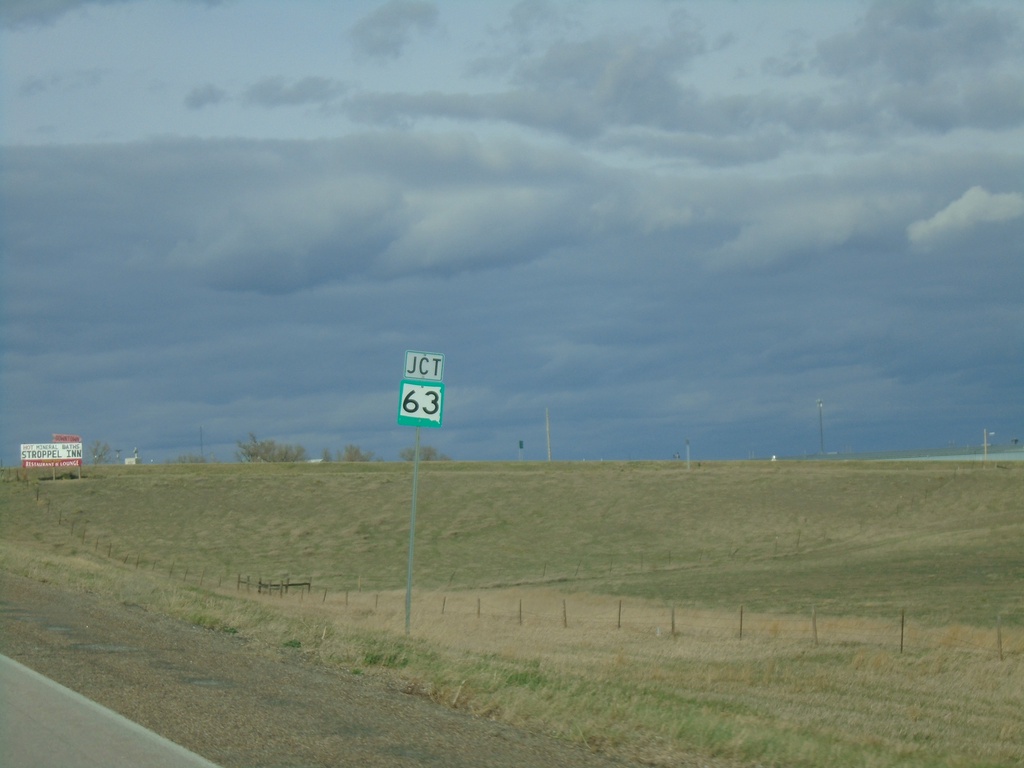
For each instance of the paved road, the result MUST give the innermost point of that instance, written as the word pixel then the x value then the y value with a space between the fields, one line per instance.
pixel 241 705
pixel 45 725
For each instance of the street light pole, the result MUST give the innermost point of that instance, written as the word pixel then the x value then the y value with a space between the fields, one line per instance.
pixel 821 427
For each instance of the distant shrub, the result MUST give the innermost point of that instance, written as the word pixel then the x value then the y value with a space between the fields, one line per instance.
pixel 355 453
pixel 427 453
pixel 255 450
pixel 190 458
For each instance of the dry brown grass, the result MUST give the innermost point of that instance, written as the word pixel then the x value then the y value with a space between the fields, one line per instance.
pixel 772 695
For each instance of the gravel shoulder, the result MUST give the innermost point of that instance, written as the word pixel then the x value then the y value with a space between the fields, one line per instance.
pixel 243 708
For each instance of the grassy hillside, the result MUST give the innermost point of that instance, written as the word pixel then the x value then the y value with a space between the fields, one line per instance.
pixel 546 592
pixel 943 541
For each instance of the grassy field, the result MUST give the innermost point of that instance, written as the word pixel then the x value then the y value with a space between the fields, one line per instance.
pixel 790 613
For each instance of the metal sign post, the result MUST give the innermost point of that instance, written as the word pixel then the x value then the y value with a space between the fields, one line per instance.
pixel 412 531
pixel 420 404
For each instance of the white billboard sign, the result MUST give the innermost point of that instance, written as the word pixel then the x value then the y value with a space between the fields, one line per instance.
pixel 51 454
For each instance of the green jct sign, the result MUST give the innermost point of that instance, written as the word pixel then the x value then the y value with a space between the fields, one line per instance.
pixel 420 404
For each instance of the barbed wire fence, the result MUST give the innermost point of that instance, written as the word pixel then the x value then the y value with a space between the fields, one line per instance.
pixel 366 597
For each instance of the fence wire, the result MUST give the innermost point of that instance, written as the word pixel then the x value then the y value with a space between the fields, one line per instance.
pixel 631 618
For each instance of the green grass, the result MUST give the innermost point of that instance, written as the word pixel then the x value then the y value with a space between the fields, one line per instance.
pixel 943 541
pixel 856 546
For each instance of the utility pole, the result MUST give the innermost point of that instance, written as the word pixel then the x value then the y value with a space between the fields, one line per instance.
pixel 547 426
pixel 821 427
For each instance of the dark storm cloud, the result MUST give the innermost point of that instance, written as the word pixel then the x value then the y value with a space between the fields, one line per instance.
pixel 992 103
pixel 528 16
pixel 24 13
pixel 385 32
pixel 930 65
pixel 908 66
pixel 284 217
pixel 710 150
pixel 63 83
pixel 260 268
pixel 668 251
pixel 918 41
pixel 279 92
pixel 627 71
pixel 15 13
pixel 273 92
pixel 205 96
pixel 577 88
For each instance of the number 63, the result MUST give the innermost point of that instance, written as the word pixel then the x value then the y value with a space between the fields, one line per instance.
pixel 411 405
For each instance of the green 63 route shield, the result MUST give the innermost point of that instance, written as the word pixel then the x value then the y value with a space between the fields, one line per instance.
pixel 420 403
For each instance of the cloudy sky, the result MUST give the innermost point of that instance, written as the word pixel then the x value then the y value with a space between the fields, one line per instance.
pixel 657 221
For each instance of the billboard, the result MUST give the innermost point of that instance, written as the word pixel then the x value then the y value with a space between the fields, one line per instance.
pixel 51 454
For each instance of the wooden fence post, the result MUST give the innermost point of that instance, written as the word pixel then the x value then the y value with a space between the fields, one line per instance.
pixel 999 636
pixel 565 617
pixel 741 622
pixel 673 621
pixel 903 626
pixel 619 625
pixel 814 624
